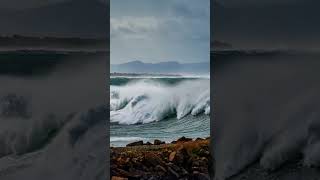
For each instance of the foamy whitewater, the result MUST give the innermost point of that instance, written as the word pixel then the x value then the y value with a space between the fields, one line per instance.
pixel 161 107
pixel 267 114
pixel 49 129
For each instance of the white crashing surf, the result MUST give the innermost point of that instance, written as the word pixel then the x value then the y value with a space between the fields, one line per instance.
pixel 53 123
pixel 148 101
pixel 268 114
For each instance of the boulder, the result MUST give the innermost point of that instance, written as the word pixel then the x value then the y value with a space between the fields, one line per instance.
pixel 148 143
pixel 118 178
pixel 173 172
pixel 200 176
pixel 172 155
pixel 160 168
pixel 137 143
pixel 152 160
pixel 158 142
pixel 184 139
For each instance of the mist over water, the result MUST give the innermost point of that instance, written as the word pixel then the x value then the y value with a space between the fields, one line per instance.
pixel 266 111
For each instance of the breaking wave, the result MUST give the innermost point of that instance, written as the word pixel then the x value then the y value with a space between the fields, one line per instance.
pixel 150 100
pixel 51 123
pixel 267 112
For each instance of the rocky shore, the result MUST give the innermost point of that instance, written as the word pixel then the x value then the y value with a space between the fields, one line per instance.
pixel 181 159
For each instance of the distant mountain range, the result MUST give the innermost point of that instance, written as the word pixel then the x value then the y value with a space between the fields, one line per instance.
pixel 75 18
pixel 170 67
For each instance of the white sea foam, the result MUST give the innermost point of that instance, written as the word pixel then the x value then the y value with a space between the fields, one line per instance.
pixel 54 117
pixel 150 101
pixel 267 113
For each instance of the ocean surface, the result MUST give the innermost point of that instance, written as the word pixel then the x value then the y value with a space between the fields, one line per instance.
pixel 164 108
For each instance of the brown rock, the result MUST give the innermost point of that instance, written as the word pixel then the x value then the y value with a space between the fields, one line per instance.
pixel 148 143
pixel 158 142
pixel 153 160
pixel 184 139
pixel 118 178
pixel 203 152
pixel 160 168
pixel 123 173
pixel 138 143
pixel 172 155
pixel 181 156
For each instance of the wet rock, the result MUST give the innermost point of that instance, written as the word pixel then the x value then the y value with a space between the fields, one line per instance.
pixel 199 139
pixel 153 160
pixel 174 167
pixel 122 173
pixel 203 152
pixel 173 172
pixel 118 178
pixel 137 143
pixel 200 176
pixel 184 172
pixel 184 139
pixel 158 142
pixel 148 143
pixel 181 157
pixel 184 160
pixel 160 168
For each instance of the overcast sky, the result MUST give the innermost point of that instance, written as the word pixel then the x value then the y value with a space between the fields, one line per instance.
pixel 155 31
pixel 23 4
pixel 237 3
pixel 268 24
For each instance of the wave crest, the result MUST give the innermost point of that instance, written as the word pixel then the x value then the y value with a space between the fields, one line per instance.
pixel 150 101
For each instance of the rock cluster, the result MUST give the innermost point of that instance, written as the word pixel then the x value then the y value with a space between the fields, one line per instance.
pixel 182 159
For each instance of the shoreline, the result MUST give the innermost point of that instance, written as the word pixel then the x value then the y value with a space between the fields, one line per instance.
pixel 182 159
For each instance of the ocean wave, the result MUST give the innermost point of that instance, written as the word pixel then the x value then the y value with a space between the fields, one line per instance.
pixel 147 101
pixel 267 114
pixel 126 139
pixel 23 132
pixel 53 123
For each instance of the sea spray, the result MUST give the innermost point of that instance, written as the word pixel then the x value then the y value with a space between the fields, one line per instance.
pixel 266 112
pixel 55 122
pixel 145 101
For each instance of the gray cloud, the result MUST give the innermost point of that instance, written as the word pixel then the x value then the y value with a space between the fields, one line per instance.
pixel 22 4
pixel 160 30
pixel 291 25
pixel 237 3
pixel 18 4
